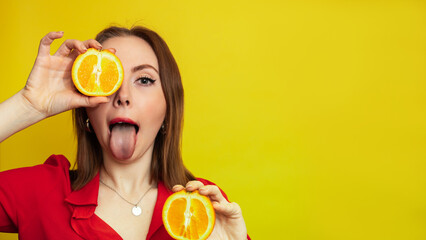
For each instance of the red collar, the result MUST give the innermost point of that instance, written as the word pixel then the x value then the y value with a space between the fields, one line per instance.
pixel 83 203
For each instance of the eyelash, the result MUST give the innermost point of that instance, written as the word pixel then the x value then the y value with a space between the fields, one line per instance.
pixel 147 80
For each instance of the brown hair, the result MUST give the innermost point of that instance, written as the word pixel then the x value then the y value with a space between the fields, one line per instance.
pixel 166 163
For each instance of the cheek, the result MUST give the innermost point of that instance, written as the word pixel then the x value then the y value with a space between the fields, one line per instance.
pixel 96 116
pixel 155 107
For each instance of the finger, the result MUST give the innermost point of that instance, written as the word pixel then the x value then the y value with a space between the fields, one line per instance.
pixel 112 50
pixel 92 43
pixel 177 188
pixel 227 209
pixel 70 44
pixel 94 101
pixel 213 192
pixel 44 48
pixel 73 55
pixel 193 185
pixel 86 101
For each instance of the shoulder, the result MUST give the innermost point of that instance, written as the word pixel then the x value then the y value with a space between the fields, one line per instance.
pixel 33 192
pixel 205 181
pixel 54 171
pixel 55 164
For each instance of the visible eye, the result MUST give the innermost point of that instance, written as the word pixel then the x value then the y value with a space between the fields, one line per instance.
pixel 145 80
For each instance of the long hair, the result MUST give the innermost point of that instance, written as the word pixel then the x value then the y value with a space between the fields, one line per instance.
pixel 166 163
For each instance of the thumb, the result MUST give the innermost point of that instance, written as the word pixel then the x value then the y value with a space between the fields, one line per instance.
pixel 86 101
pixel 232 210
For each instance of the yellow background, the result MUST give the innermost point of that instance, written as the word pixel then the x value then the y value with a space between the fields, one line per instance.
pixel 309 114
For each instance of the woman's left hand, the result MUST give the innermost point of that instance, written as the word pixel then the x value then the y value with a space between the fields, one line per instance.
pixel 229 218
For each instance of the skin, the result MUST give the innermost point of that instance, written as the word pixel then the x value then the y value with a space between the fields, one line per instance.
pixel 49 90
pixel 140 98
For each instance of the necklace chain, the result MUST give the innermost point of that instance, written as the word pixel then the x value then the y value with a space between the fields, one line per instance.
pixel 133 204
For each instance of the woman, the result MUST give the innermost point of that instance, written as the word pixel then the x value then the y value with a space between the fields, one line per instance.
pixel 128 157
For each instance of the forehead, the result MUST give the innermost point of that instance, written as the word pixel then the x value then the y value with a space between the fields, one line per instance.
pixel 132 51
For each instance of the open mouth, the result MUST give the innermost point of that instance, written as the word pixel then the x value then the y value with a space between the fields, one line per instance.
pixel 119 123
pixel 123 137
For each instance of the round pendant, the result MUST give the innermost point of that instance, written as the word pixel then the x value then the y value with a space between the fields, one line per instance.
pixel 136 210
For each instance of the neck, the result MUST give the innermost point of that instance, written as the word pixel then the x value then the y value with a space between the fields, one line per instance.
pixel 129 176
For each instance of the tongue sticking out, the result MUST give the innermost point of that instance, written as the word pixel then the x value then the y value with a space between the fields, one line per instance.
pixel 122 141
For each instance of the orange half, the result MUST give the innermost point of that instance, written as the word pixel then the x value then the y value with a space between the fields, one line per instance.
pixel 97 73
pixel 188 216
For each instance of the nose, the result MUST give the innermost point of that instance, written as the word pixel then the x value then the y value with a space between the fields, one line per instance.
pixel 122 96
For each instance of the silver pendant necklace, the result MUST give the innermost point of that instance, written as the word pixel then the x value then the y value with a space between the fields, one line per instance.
pixel 136 210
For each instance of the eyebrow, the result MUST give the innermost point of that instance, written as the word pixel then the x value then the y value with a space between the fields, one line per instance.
pixel 143 66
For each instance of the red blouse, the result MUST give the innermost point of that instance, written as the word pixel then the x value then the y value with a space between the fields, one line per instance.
pixel 38 203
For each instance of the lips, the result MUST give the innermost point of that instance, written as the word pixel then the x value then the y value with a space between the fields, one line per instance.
pixel 123 122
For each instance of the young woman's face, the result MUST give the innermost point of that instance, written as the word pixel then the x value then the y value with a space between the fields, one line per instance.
pixel 126 126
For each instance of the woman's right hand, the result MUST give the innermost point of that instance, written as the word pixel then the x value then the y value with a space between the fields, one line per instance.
pixel 49 88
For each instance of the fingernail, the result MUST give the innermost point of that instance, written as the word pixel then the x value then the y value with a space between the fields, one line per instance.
pixel 202 189
pixel 189 186
pixel 60 32
pixel 99 46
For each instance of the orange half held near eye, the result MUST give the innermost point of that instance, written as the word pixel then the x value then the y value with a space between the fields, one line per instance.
pixel 97 73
